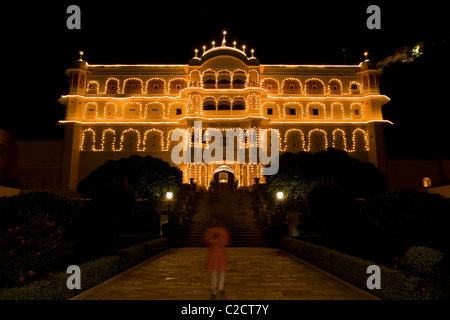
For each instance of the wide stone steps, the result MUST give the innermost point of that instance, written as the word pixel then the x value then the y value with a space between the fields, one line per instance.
pixel 235 210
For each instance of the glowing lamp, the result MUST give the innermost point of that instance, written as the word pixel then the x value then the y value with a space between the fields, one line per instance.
pixel 169 195
pixel 280 195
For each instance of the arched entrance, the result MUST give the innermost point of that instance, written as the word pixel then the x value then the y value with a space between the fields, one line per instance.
pixel 224 178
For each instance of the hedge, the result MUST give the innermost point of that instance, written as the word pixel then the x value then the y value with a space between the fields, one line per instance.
pixel 55 288
pixel 92 274
pixel 395 285
pixel 130 257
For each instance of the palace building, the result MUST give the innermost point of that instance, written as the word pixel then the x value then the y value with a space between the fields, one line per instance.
pixel 115 111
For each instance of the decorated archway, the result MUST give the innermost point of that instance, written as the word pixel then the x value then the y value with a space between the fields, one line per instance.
pixel 224 178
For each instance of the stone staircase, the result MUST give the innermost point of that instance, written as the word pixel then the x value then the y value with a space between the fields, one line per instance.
pixel 235 209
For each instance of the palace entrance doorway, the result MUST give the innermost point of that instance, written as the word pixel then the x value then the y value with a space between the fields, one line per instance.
pixel 224 178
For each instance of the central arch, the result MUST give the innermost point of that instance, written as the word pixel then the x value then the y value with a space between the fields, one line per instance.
pixel 224 178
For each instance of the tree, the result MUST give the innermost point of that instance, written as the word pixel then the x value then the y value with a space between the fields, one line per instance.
pixel 147 176
pixel 299 170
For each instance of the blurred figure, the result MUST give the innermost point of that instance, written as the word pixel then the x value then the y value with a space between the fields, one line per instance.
pixel 217 239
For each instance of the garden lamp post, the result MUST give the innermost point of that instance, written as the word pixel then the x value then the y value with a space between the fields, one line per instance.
pixel 280 197
pixel 169 196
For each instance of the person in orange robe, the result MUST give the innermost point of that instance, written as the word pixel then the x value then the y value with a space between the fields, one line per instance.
pixel 217 239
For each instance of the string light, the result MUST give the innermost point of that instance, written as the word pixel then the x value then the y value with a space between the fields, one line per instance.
pixel 344 139
pixel 141 110
pixel 325 139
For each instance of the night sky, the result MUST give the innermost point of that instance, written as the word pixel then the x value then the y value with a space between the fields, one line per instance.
pixel 39 48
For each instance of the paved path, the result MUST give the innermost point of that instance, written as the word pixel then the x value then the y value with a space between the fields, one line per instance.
pixel 254 274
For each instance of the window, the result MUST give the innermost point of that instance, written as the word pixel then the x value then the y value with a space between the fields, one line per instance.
pixel 132 87
pixel 314 87
pixel 269 111
pixel 354 86
pixel 335 88
pixel 178 86
pixel 291 87
pixel 112 87
pixel 269 87
pixel 314 111
pixel 291 111
pixel 356 112
pixel 155 87
pixel 178 111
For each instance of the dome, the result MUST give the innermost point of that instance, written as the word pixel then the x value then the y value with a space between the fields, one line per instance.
pixel 224 51
pixel 79 64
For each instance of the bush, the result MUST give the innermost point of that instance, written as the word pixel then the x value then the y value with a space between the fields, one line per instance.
pixel 35 236
pixel 54 287
pixel 395 285
pixel 409 217
pixel 423 259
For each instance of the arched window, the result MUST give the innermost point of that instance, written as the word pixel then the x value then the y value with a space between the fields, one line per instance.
pixel 294 141
pixel 155 86
pixel 271 85
pixel 317 140
pixel 110 110
pixel 360 142
pixel 90 110
pixel 354 88
pixel 194 79
pixel 339 139
pixel 132 110
pixel 130 140
pixel 224 80
pixel 314 86
pixel 239 79
pixel 209 104
pixel 337 110
pixel 112 86
pixel 92 87
pixel 209 80
pixel 153 140
pixel 109 140
pixel 88 140
pixel 291 86
pixel 224 104
pixel 335 87
pixel 238 104
pixel 176 85
pixel 132 86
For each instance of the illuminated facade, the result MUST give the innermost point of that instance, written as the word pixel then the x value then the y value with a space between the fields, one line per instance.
pixel 114 111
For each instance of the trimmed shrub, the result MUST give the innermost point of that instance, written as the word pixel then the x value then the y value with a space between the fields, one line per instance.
pixel 395 285
pixel 132 256
pixel 423 259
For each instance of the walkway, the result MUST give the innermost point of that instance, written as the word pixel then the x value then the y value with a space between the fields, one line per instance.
pixel 254 274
